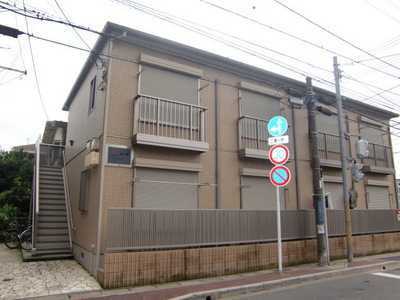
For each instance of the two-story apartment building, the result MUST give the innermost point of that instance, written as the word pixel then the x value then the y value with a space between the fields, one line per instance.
pixel 167 153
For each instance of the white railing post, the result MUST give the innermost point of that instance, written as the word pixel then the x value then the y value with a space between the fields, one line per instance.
pixel 37 167
pixel 67 201
pixel 135 115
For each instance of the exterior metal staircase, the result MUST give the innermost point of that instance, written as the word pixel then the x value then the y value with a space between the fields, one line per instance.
pixel 51 223
pixel 52 235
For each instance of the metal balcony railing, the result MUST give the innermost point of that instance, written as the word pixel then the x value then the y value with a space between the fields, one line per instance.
pixel 379 155
pixel 253 133
pixel 166 120
pixel 329 146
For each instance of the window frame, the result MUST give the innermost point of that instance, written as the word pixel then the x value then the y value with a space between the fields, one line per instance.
pixel 92 95
pixel 84 190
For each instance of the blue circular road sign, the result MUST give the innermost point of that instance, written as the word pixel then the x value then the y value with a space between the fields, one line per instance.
pixel 277 126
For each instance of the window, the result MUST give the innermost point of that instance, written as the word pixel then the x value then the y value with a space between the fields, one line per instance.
pixel 258 193
pixel 165 84
pixel 84 190
pixel 92 99
pixel 256 109
pixel 377 197
pixel 374 136
pixel 165 189
pixel 328 136
pixel 335 191
pixel 259 105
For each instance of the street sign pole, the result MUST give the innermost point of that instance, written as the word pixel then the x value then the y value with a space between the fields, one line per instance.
pixel 278 225
pixel 279 175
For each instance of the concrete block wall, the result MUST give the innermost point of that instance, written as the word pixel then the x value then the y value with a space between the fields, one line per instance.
pixel 143 268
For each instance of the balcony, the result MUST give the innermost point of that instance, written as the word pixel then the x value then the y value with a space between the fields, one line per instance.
pixel 379 159
pixel 329 150
pixel 167 123
pixel 253 138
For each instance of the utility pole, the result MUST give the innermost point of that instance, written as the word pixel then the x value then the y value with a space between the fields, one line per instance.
pixel 317 178
pixel 343 156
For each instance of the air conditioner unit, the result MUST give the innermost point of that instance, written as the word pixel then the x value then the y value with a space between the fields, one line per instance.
pixel 92 159
pixel 88 146
pixel 95 144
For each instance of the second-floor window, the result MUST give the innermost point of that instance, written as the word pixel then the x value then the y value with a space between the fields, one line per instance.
pixel 328 136
pixel 258 105
pixel 92 96
pixel 374 135
pixel 169 85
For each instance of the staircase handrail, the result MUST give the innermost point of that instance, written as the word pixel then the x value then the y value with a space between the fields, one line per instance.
pixel 37 168
pixel 70 219
pixel 35 200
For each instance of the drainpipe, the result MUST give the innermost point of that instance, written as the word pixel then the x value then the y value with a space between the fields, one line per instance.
pixel 217 154
pixel 295 160
pixel 101 196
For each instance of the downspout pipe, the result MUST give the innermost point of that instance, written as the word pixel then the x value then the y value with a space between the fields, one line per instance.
pixel 101 196
pixel 217 154
pixel 296 163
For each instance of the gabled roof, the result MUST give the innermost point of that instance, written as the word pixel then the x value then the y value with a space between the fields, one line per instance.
pixel 142 39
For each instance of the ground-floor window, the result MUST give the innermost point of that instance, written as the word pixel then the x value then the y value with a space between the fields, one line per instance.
pixel 377 197
pixel 84 190
pixel 334 192
pixel 165 189
pixel 260 194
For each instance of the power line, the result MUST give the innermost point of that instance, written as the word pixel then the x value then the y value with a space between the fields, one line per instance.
pixel 73 28
pixel 295 37
pixel 35 72
pixel 335 35
pixel 184 26
pixel 170 19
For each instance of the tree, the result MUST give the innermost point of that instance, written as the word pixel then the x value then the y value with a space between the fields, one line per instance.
pixel 16 173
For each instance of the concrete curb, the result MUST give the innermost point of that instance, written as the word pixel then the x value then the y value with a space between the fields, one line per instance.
pixel 268 285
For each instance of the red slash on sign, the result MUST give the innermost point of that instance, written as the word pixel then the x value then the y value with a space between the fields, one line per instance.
pixel 280 175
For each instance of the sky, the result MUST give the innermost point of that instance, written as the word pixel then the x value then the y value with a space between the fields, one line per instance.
pixel 289 37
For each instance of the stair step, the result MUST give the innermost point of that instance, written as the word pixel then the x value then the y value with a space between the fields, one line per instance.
pixel 52 185
pixel 47 218
pixel 47 193
pixel 52 239
pixel 56 189
pixel 52 196
pixel 51 181
pixel 50 255
pixel 64 246
pixel 51 170
pixel 51 231
pixel 53 225
pixel 52 213
pixel 50 174
pixel 52 201
pixel 52 207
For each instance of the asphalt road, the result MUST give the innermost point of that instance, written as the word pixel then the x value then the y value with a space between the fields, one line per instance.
pixel 379 285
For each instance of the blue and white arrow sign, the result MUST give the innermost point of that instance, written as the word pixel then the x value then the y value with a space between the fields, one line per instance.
pixel 277 126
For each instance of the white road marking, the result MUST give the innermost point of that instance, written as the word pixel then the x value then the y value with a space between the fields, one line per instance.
pixel 387 275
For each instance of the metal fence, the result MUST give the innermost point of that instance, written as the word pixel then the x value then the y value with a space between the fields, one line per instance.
pixel 134 229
